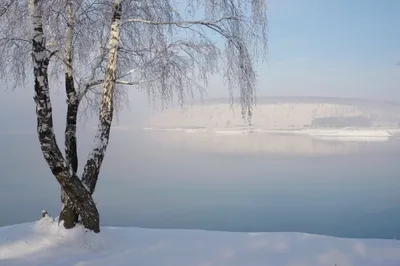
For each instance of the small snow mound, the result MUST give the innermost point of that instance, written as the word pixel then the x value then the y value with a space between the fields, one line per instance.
pixel 45 221
pixel 47 235
pixel 44 213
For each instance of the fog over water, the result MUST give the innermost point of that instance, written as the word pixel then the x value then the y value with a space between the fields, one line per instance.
pixel 240 181
pixel 295 183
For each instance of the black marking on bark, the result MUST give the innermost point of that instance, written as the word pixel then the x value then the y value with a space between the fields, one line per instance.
pixel 70 129
pixel 56 170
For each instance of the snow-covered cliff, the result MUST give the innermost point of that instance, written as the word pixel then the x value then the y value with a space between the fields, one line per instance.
pixel 283 113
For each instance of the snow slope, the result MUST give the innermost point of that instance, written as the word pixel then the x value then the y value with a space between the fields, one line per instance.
pixel 283 113
pixel 44 243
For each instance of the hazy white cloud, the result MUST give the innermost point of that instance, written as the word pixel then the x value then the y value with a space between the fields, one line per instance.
pixel 227 253
pixel 334 257
pixel 258 244
pixel 281 246
pixel 360 249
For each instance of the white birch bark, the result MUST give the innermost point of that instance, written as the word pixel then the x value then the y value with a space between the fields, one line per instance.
pixel 95 159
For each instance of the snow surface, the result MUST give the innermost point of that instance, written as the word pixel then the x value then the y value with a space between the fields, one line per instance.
pixel 45 243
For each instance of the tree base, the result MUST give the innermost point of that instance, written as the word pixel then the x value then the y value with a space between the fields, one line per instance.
pixel 69 216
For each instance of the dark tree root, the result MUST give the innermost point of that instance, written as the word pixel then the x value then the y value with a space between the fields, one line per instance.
pixel 69 216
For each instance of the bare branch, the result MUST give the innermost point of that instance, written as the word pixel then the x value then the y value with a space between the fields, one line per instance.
pixel 4 6
pixel 90 82
pixel 187 23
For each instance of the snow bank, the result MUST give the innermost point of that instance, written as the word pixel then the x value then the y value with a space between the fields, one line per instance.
pixel 344 133
pixel 44 243
pixel 349 132
pixel 281 113
pixel 352 138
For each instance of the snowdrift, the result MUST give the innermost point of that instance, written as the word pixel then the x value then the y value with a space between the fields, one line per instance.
pixel 45 243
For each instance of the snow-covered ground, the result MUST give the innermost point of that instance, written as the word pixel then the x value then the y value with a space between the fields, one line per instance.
pixel 44 243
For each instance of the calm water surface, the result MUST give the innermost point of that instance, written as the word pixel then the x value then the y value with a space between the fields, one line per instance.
pixel 332 188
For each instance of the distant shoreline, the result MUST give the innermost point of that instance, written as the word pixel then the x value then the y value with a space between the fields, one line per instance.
pixel 323 134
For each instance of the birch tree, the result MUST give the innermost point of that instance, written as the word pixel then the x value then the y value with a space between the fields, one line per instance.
pixel 104 48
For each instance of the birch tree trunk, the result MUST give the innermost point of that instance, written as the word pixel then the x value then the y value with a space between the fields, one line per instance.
pixel 95 159
pixel 92 169
pixel 68 213
pixel 73 187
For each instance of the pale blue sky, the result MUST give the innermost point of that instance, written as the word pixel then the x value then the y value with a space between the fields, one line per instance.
pixel 333 48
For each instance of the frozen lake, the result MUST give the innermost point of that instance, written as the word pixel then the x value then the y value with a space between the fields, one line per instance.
pixel 347 189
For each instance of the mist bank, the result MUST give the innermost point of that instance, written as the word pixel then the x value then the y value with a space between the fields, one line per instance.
pixel 283 113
